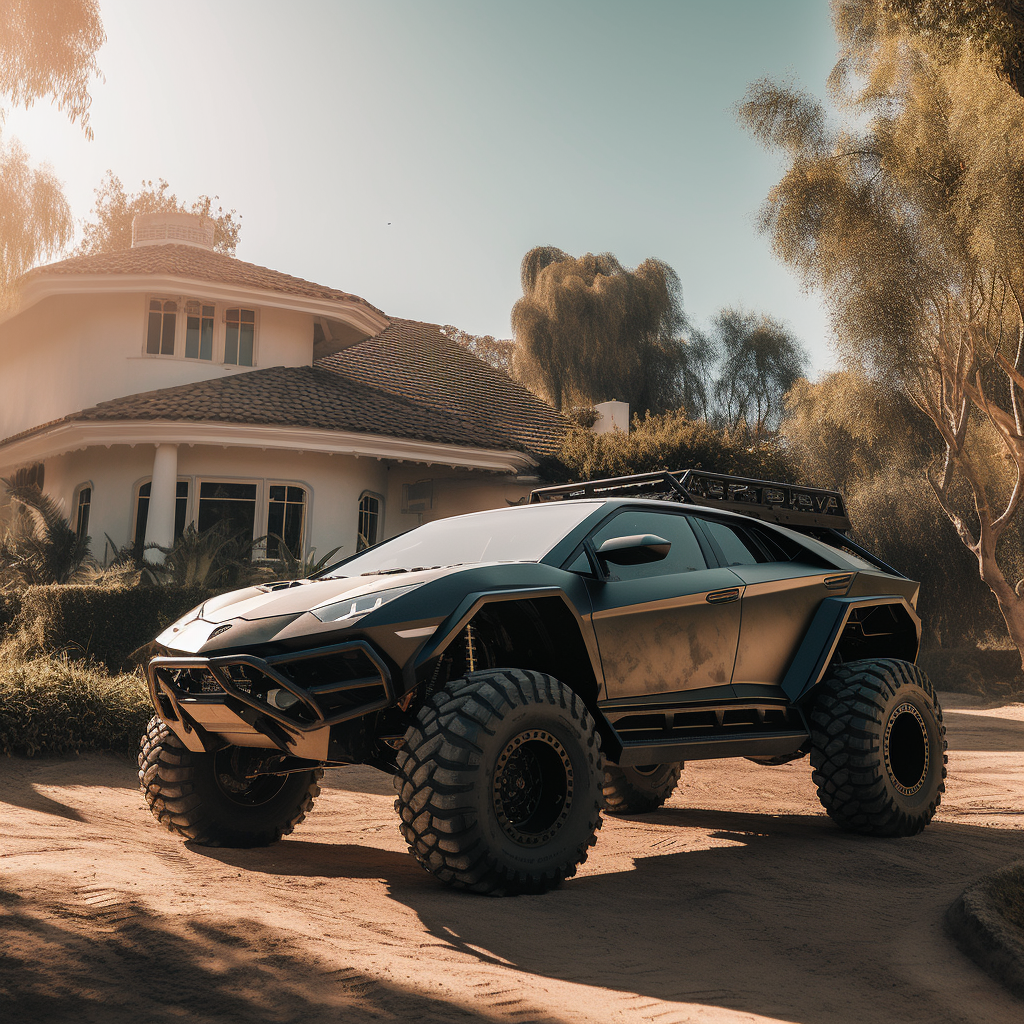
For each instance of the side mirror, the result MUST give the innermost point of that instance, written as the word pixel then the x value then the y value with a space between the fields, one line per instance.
pixel 635 550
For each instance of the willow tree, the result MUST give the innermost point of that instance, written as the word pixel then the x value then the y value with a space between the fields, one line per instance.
pixel 588 330
pixel 761 360
pixel 47 49
pixel 910 220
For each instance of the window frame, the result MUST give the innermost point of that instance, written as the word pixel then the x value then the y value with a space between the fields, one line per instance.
pixel 76 504
pixel 255 336
pixel 379 498
pixel 147 312
pixel 202 303
pixel 264 527
pixel 133 522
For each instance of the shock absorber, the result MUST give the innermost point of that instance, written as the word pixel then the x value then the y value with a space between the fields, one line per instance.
pixel 470 647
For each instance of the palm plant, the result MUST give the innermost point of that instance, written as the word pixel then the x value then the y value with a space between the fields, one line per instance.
pixel 295 568
pixel 40 545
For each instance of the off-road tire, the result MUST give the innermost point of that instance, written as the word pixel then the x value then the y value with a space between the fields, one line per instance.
pixel 636 790
pixel 499 783
pixel 878 748
pixel 183 792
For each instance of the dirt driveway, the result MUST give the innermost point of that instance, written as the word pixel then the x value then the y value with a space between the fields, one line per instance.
pixel 739 901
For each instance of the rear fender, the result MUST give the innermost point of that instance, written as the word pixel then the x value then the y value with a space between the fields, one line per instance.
pixel 850 628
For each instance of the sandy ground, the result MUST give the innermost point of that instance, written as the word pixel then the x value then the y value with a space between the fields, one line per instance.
pixel 739 901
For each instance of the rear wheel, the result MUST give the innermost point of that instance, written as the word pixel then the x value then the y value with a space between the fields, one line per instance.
pixel 215 799
pixel 640 788
pixel 499 783
pixel 878 749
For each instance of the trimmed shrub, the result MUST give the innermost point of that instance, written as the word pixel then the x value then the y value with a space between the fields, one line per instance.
pixel 105 624
pixel 56 706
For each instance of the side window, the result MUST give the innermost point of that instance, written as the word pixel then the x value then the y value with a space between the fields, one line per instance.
pixel 286 513
pixel 163 319
pixel 737 546
pixel 198 330
pixel 230 503
pixel 240 337
pixel 369 521
pixel 684 555
pixel 580 564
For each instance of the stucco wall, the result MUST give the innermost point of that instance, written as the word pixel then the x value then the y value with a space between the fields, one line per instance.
pixel 69 352
pixel 334 485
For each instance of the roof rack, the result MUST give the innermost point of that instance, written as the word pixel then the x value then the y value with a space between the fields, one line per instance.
pixel 795 506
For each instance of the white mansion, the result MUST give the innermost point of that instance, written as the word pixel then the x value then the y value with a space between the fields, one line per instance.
pixel 168 384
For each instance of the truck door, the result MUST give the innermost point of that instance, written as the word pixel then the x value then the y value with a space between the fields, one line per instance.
pixel 669 626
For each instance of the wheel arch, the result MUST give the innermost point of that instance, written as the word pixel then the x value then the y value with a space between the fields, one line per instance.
pixel 541 624
pixel 851 629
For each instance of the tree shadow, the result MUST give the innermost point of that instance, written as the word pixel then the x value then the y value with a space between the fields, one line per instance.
pixel 983 732
pixel 55 969
pixel 22 776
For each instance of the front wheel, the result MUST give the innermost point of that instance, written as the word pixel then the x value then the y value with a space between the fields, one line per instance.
pixel 878 748
pixel 217 799
pixel 499 783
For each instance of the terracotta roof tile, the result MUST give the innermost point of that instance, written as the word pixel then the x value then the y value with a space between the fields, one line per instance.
pixel 417 361
pixel 195 263
pixel 295 396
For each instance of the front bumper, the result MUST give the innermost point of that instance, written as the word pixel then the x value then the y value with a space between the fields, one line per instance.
pixel 208 702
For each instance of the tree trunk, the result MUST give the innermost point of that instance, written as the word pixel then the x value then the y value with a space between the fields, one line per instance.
pixel 1011 607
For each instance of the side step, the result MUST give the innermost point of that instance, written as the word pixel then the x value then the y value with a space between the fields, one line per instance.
pixel 656 735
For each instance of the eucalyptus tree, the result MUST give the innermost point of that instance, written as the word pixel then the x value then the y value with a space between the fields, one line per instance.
pixel 47 49
pixel 909 219
pixel 589 330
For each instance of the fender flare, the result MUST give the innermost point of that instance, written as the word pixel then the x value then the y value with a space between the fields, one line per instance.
pixel 813 657
pixel 468 607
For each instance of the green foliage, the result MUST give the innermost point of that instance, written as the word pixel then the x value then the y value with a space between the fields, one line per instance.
pixel 106 624
pixel 40 545
pixel 213 558
pixel 761 360
pixel 588 330
pixel 672 441
pixel 55 706
pixel 292 568
pixel 114 209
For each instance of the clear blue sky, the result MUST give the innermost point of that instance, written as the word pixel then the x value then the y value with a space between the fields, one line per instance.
pixel 412 151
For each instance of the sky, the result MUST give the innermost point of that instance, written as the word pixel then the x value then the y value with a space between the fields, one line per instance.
pixel 411 151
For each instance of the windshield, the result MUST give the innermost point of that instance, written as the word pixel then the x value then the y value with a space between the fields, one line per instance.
pixel 522 534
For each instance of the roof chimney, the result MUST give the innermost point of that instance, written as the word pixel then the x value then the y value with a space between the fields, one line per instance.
pixel 172 228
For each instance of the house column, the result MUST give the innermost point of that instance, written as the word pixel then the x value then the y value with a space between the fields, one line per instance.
pixel 160 521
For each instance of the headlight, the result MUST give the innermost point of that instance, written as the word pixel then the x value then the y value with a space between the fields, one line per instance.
pixel 349 609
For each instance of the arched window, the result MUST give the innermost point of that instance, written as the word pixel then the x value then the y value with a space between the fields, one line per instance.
pixel 370 509
pixel 83 502
pixel 142 510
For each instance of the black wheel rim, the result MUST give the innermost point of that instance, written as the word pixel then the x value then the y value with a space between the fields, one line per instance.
pixel 231 768
pixel 533 787
pixel 905 748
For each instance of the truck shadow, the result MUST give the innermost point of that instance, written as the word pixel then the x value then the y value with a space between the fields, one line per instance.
pixel 778 915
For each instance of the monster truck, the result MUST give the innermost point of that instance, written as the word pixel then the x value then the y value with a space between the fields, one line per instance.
pixel 521 670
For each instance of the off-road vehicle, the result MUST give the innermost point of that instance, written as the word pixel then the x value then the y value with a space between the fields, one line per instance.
pixel 520 670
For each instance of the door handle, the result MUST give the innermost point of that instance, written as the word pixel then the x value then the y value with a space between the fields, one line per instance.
pixel 723 596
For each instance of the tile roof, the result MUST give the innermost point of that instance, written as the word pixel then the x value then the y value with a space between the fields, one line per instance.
pixel 295 396
pixel 192 262
pixel 417 361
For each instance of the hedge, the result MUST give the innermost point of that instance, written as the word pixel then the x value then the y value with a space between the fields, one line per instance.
pixel 106 624
pixel 10 606
pixel 57 706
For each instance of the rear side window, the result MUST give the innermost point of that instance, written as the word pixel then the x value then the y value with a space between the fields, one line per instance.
pixel 684 555
pixel 737 546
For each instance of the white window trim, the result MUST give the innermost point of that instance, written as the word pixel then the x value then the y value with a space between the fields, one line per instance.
pixel 191 510
pixel 76 495
pixel 255 335
pixel 220 319
pixel 380 514
pixel 307 519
